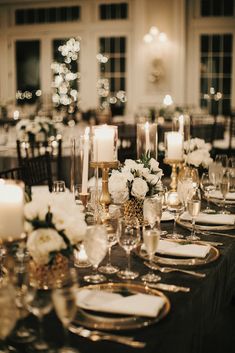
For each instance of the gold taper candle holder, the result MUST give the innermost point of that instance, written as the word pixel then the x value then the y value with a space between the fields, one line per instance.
pixel 174 163
pixel 105 198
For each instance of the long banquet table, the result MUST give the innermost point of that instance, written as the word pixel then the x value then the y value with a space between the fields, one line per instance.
pixel 191 317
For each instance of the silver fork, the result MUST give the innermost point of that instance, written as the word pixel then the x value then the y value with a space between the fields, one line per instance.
pixel 173 269
pixel 95 336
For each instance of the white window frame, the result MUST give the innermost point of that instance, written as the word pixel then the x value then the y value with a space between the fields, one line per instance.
pixel 197 27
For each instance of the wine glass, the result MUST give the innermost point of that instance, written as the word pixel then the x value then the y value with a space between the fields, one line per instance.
pixel 207 186
pixel 128 238
pixel 175 206
pixel 8 314
pixel 151 239
pixel 64 300
pixel 111 225
pixel 231 168
pixel 193 208
pixel 224 188
pixel 215 172
pixel 152 210
pixel 222 159
pixel 39 303
pixel 20 281
pixel 96 245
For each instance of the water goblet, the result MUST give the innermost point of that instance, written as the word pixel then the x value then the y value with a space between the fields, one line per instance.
pixel 20 281
pixel 207 186
pixel 193 208
pixel 231 168
pixel 151 239
pixel 152 211
pixel 175 206
pixel 128 238
pixel 39 303
pixel 222 159
pixel 224 188
pixel 215 172
pixel 96 245
pixel 64 300
pixel 8 314
pixel 111 226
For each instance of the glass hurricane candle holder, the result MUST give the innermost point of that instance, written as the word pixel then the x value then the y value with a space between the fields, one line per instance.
pixel 147 139
pixel 104 143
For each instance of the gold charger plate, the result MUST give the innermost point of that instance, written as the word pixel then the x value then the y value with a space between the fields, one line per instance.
pixel 118 322
pixel 208 227
pixel 168 260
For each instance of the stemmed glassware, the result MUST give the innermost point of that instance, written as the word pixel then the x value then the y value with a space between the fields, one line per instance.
pixel 176 207
pixel 207 186
pixel 151 239
pixel 224 188
pixel 193 208
pixel 231 168
pixel 111 225
pixel 152 210
pixel 64 300
pixel 20 281
pixel 39 303
pixel 96 246
pixel 128 238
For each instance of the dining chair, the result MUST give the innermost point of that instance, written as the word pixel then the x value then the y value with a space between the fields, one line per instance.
pixel 37 171
pixel 26 150
pixel 13 173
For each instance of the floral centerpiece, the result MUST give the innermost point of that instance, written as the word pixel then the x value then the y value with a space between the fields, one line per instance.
pixel 197 153
pixel 131 183
pixel 38 130
pixel 55 225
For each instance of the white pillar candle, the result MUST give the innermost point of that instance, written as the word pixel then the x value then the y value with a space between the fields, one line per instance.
pixel 85 161
pixel 174 145
pixel 147 137
pixel 11 211
pixel 103 144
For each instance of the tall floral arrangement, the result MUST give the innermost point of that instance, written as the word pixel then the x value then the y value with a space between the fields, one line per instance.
pixel 39 129
pixel 136 179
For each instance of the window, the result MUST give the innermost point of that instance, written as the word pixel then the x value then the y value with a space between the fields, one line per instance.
pixel 47 15
pixel 27 69
pixel 216 73
pixel 113 72
pixel 117 11
pixel 217 8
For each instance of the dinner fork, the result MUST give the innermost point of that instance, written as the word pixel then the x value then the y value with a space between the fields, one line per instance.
pixel 173 269
pixel 95 336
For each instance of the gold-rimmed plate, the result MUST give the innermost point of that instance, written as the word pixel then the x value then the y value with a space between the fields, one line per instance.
pixel 120 322
pixel 207 227
pixel 169 260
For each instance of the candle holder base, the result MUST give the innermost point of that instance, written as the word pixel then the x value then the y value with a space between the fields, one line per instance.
pixel 174 163
pixel 105 198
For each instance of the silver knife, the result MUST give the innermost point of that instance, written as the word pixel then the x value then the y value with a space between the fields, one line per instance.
pixel 168 287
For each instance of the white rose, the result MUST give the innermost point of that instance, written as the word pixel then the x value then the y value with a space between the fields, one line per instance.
pixel 129 164
pixel 139 188
pixel 42 242
pixel 75 230
pixel 154 165
pixel 194 158
pixel 154 178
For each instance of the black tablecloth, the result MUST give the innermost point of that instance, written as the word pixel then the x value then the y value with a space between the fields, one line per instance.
pixel 192 314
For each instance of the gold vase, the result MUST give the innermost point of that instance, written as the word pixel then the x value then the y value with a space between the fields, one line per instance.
pixel 133 208
pixel 49 276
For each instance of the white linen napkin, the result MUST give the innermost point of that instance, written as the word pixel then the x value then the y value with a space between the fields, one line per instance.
pixel 137 304
pixel 178 249
pixel 217 195
pixel 219 219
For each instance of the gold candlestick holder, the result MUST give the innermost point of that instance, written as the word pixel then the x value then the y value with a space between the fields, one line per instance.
pixel 105 198
pixel 174 163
